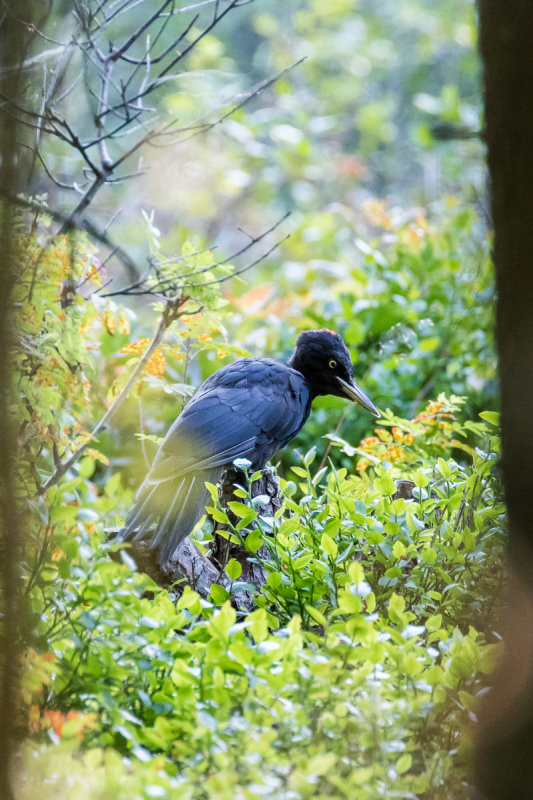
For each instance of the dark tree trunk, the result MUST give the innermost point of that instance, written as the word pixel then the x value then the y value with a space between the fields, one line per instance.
pixel 189 566
pixel 14 39
pixel 505 749
pixel 253 570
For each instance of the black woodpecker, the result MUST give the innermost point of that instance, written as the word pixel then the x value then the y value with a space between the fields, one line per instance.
pixel 248 409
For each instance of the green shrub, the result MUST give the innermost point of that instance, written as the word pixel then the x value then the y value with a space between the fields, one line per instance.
pixel 356 677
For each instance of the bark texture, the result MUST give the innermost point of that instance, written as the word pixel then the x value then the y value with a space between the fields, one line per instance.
pixel 14 41
pixel 189 566
pixel 504 755
pixel 253 571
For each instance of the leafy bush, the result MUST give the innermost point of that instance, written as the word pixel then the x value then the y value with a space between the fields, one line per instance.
pixel 411 294
pixel 357 675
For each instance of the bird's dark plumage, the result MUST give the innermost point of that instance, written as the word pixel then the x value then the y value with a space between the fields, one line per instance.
pixel 248 409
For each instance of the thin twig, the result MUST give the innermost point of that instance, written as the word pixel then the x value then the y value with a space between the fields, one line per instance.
pixel 239 271
pixel 171 312
pixel 35 60
pixel 141 428
pixel 85 224
pixel 335 433
pixel 119 51
pixel 157 81
pixel 50 174
pixel 174 283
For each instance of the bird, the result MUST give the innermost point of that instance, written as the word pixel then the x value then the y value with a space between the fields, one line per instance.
pixel 249 409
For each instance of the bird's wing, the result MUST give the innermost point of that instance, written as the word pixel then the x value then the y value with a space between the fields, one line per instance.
pixel 249 409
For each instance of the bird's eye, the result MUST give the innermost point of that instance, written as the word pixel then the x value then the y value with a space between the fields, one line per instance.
pixel 332 363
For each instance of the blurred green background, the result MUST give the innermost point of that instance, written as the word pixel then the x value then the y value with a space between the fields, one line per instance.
pixel 371 142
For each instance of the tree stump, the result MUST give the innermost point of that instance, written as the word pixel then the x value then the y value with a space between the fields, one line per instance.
pixel 189 566
pixel 253 571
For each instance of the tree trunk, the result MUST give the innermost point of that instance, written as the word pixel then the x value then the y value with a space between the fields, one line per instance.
pixel 253 571
pixel 505 747
pixel 14 39
pixel 189 566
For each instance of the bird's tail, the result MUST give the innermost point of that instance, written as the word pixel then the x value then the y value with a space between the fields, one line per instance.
pixel 169 510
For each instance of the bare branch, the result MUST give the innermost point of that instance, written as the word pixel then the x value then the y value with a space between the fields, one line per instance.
pixel 202 127
pixel 154 265
pixel 47 93
pixel 35 60
pixel 112 219
pixel 75 141
pixel 123 9
pixel 84 224
pixel 239 271
pixel 116 95
pixel 105 159
pixel 52 177
pixel 113 96
pixel 69 90
pixel 114 134
pixel 148 59
pixel 175 43
pixel 27 124
pixel 139 143
pixel 179 283
pixel 116 54
pixel 157 81
pixel 84 202
pixel 30 26
pixel 172 311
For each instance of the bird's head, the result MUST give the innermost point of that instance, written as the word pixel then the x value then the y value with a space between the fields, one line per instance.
pixel 323 358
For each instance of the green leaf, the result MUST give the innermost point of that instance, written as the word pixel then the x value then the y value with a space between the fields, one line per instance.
pixel 429 344
pixel 398 549
pixel 217 514
pixel 349 603
pixel 233 569
pixel 218 594
pixel 253 541
pixel 188 599
pixel 247 519
pixel 310 456
pixel 332 527
pixel 258 624
pixel 328 545
pixel 239 509
pixel 385 485
pixel 429 555
pixel 316 615
pixel 86 468
pixel 321 764
pixel 356 572
pixel 299 471
pixel 213 491
pixel 287 527
pixel 302 561
pixel 370 601
pixel 396 607
pixel 491 416
pixel 434 623
pixel 404 763
pixel 419 479
pixel 444 468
